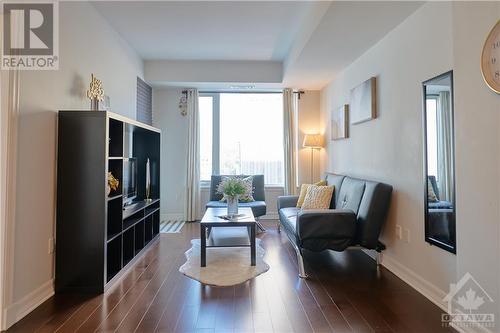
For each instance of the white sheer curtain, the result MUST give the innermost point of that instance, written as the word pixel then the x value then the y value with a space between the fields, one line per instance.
pixel 445 146
pixel 193 156
pixel 290 109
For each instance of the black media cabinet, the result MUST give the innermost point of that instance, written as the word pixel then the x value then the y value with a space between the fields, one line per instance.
pixel 97 239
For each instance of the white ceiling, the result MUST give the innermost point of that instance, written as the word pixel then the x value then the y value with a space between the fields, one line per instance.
pixel 206 30
pixel 313 39
pixel 346 31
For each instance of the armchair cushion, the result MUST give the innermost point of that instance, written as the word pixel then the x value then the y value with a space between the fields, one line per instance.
pixel 257 183
pixel 258 207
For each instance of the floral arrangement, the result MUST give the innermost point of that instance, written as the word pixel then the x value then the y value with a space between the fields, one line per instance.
pixel 233 187
pixel 112 182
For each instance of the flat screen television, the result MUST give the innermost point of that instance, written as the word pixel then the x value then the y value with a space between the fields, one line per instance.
pixel 129 180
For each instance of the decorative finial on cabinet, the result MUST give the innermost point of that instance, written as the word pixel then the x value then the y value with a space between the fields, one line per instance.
pixel 95 93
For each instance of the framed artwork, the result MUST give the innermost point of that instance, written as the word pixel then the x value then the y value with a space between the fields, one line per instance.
pixel 363 102
pixel 339 123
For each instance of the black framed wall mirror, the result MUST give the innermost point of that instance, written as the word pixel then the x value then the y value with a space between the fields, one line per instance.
pixel 439 162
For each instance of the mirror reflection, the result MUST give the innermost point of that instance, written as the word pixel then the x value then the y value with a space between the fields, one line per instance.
pixel 439 161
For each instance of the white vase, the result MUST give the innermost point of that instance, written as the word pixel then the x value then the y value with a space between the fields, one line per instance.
pixel 232 205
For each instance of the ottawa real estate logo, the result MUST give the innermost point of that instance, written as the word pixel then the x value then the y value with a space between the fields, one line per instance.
pixel 467 302
pixel 30 35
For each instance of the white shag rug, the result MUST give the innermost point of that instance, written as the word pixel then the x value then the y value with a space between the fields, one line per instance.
pixel 225 266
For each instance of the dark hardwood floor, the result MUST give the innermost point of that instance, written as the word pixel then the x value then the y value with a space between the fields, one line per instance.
pixel 345 293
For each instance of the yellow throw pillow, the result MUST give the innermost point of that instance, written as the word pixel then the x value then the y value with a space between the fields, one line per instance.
pixel 303 191
pixel 318 197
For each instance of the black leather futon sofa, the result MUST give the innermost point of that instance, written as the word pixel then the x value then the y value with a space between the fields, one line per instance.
pixel 358 211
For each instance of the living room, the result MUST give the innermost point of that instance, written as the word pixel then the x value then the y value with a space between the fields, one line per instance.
pixel 179 100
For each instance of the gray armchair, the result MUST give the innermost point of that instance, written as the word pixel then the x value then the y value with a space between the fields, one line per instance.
pixel 357 213
pixel 258 206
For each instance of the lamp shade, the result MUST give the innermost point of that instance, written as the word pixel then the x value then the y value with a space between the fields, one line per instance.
pixel 313 141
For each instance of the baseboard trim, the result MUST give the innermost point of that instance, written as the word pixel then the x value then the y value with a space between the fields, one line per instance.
pixel 17 311
pixel 172 217
pixel 424 287
pixel 270 216
pixel 429 290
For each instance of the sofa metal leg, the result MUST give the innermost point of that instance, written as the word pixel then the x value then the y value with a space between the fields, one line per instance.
pixel 300 263
pixel 298 252
pixel 279 226
pixel 379 258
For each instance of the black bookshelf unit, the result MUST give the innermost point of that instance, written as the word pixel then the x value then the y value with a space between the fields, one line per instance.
pixel 98 237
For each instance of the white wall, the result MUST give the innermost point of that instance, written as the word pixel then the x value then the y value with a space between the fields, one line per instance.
pixel 436 38
pixel 167 117
pixel 308 123
pixel 174 126
pixel 198 71
pixel 477 121
pixel 87 45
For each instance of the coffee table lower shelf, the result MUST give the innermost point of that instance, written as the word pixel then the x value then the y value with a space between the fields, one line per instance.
pixel 211 220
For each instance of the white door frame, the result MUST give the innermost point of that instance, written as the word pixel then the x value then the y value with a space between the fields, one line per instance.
pixel 9 112
pixel 9 116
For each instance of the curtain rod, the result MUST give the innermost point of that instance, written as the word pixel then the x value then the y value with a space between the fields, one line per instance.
pixel 300 92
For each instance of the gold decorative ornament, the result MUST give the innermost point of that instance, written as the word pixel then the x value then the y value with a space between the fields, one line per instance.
pixel 113 183
pixel 95 93
pixel 490 59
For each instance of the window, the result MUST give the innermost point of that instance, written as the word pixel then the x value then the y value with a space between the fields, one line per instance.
pixel 242 133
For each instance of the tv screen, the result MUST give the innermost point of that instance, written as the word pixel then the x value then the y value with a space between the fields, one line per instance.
pixel 129 179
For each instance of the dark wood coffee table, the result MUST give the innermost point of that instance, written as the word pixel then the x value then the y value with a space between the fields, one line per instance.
pixel 211 219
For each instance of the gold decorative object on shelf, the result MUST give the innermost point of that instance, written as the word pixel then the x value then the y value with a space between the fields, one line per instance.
pixel 113 183
pixel 95 93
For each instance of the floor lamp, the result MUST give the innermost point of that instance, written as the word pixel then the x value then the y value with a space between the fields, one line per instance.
pixel 313 141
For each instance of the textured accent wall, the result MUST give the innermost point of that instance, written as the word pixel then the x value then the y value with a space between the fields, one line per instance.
pixel 144 102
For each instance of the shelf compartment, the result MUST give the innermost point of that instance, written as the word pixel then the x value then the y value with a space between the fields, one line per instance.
pixel 128 246
pixel 137 206
pixel 148 229
pixel 152 207
pixel 114 257
pixel 114 222
pixel 133 219
pixel 116 169
pixel 152 212
pixel 156 222
pixel 115 140
pixel 114 197
pixel 139 236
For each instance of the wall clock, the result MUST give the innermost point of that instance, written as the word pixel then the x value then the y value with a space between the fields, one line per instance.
pixel 490 59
